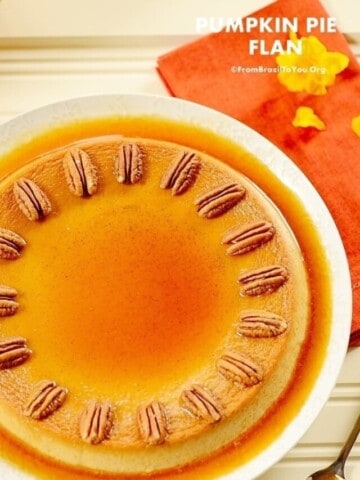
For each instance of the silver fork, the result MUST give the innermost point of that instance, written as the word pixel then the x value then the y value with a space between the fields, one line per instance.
pixel 335 471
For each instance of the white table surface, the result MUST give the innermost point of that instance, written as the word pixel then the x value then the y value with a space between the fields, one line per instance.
pixel 52 50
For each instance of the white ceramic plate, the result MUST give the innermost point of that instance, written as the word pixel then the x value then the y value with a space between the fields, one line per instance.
pixel 24 127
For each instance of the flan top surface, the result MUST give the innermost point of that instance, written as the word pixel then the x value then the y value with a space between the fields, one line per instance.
pixel 155 296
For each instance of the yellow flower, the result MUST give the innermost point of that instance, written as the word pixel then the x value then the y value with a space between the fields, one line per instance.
pixel 305 117
pixel 313 70
pixel 355 125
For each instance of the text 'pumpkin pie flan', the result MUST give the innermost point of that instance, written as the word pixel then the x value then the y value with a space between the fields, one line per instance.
pixel 154 303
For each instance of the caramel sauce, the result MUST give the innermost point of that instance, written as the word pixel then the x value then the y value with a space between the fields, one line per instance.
pixel 313 354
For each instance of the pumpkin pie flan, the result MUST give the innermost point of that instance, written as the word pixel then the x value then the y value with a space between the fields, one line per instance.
pixel 153 304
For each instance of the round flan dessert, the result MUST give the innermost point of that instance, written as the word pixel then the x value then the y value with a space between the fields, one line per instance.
pixel 154 304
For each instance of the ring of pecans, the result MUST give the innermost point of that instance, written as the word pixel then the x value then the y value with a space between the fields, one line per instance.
pixel 97 419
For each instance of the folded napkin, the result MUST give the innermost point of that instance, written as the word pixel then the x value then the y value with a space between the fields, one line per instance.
pixel 201 72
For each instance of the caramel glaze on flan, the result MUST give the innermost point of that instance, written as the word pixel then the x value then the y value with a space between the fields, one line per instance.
pixel 154 303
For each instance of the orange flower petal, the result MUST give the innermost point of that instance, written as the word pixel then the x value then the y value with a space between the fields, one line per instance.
pixel 313 70
pixel 355 125
pixel 336 61
pixel 305 117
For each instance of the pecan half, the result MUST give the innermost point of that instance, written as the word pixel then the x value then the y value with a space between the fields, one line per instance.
pixel 220 200
pixel 201 403
pixel 31 200
pixel 182 173
pixel 245 238
pixel 80 173
pixel 45 400
pixel 96 422
pixel 129 163
pixel 8 304
pixel 152 423
pixel 11 244
pixel 239 368
pixel 13 352
pixel 263 280
pixel 261 324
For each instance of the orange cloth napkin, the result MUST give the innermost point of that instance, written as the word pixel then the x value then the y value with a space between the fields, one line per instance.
pixel 201 72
